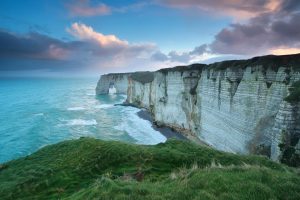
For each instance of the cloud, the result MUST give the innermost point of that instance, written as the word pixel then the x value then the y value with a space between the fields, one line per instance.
pixel 84 8
pixel 272 26
pixel 36 51
pixel 199 50
pixel 199 53
pixel 90 50
pixel 84 32
pixel 235 8
pixel 108 45
pixel 260 35
pixel 32 45
pixel 159 56
pixel 285 51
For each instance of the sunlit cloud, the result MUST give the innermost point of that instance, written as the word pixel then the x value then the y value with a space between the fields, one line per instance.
pixel 238 9
pixel 84 32
pixel 284 51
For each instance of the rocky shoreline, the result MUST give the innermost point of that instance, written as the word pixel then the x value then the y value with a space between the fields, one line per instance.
pixel 166 131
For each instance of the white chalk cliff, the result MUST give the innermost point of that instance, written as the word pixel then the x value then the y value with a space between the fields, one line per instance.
pixel 235 106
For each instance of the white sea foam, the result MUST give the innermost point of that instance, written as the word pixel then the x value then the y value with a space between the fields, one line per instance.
pixel 139 129
pixel 76 108
pixel 104 106
pixel 124 97
pixel 81 122
pixel 39 114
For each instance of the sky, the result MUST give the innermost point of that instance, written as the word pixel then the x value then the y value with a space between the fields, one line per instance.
pixel 93 37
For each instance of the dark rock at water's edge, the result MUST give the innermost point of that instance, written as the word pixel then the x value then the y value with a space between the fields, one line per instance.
pixel 164 130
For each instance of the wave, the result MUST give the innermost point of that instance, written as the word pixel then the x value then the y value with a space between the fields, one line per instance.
pixel 76 108
pixel 81 122
pixel 139 129
pixel 123 95
pixel 103 106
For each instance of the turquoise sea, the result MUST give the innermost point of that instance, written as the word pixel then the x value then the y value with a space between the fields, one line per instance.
pixel 35 112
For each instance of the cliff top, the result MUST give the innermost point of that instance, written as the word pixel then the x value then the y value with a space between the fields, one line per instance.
pixel 143 77
pixel 272 61
pixel 118 74
pixel 183 68
pixel 268 61
pixel 90 169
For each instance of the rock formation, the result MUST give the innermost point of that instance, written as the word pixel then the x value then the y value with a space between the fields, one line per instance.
pixel 235 106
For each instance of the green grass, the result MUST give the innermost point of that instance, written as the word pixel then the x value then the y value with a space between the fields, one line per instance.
pixel 294 96
pixel 143 77
pixel 272 61
pixel 93 169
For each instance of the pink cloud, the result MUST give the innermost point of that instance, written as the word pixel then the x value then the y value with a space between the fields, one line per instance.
pixel 57 52
pixel 108 50
pixel 84 32
pixel 85 9
pixel 239 9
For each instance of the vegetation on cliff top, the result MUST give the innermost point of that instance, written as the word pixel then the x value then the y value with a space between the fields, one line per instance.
pixel 143 77
pixel 93 169
pixel 272 61
pixel 268 61
pixel 294 96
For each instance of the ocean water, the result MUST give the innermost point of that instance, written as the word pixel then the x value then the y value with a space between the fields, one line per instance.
pixel 37 112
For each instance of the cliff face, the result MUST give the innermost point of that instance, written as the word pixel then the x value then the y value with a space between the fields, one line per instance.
pixel 286 133
pixel 235 106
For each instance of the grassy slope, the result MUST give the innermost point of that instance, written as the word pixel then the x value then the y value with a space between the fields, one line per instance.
pixel 94 169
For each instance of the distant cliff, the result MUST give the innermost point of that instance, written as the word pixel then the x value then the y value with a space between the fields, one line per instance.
pixel 236 106
pixel 120 81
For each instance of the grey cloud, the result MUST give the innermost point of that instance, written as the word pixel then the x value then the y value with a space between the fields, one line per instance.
pixel 179 57
pixel 159 56
pixel 183 57
pixel 200 50
pixel 290 5
pixel 38 51
pixel 289 31
pixel 259 35
pixel 33 45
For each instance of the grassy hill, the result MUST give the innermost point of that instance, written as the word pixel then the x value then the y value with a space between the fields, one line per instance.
pixel 93 169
